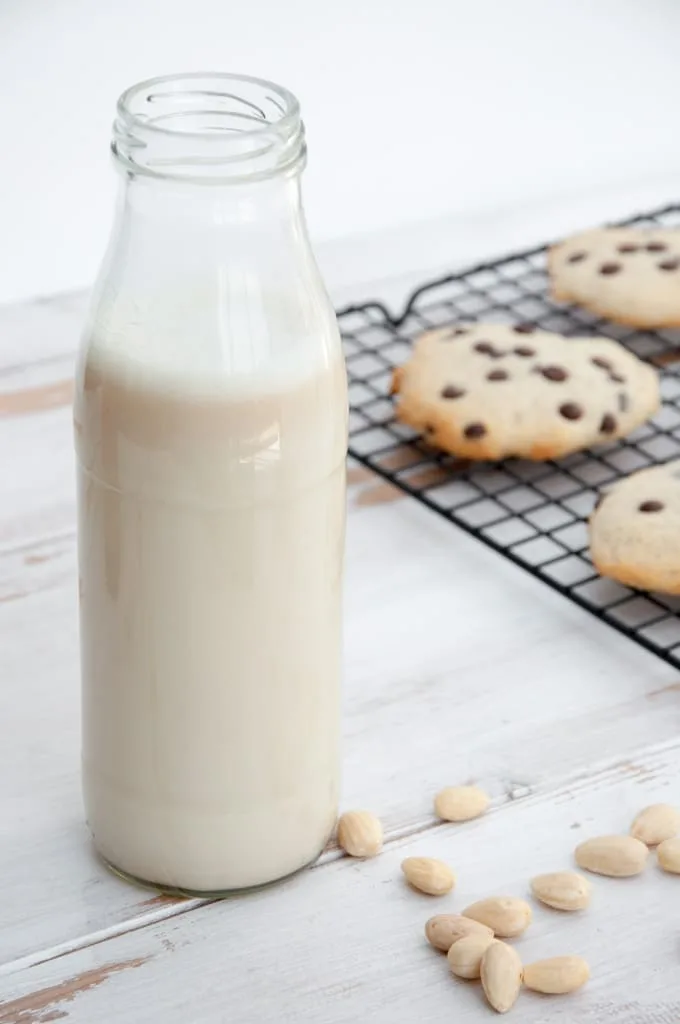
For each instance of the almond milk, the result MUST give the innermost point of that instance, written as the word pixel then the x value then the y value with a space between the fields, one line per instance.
pixel 211 536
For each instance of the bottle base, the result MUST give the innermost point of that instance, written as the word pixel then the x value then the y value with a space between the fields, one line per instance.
pixel 180 892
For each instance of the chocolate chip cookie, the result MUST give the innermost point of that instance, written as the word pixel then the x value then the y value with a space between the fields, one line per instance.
pixel 635 530
pixel 629 275
pixel 489 391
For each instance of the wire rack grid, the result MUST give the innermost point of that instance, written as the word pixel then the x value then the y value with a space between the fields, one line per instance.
pixel 532 513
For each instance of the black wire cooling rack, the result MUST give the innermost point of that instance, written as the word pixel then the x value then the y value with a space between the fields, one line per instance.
pixel 532 513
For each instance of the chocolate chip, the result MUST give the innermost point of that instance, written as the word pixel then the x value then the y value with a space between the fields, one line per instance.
pixel 524 328
pixel 604 364
pixel 429 429
pixel 656 247
pixel 457 331
pixel 616 378
pixel 474 431
pixel 627 247
pixel 553 372
pixel 623 401
pixel 524 350
pixel 487 349
pixel 651 506
pixel 497 375
pixel 610 268
pixel 451 391
pixel 571 411
pixel 668 264
pixel 608 424
pixel 576 257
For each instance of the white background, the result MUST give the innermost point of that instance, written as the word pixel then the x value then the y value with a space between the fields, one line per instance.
pixel 415 109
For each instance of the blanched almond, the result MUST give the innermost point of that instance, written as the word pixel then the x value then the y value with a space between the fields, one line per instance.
pixel 443 930
pixel 507 916
pixel 615 856
pixel 668 854
pixel 656 823
pixel 460 803
pixel 360 834
pixel 563 890
pixel 428 875
pixel 557 976
pixel 501 974
pixel 465 955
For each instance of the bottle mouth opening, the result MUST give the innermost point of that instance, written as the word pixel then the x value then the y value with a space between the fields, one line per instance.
pixel 212 128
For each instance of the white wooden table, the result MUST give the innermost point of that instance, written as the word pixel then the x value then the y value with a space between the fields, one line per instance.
pixel 458 667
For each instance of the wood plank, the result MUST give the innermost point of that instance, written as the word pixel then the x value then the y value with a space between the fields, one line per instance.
pixel 39 492
pixel 343 942
pixel 38 341
pixel 458 666
pixel 36 430
pixel 40 331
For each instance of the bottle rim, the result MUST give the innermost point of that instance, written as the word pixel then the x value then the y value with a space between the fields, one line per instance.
pixel 208 127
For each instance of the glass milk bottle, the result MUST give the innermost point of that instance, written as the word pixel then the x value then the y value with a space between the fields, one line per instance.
pixel 211 431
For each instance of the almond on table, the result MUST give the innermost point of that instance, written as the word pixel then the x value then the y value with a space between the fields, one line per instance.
pixel 562 890
pixel 428 875
pixel 443 930
pixel 615 856
pixel 507 916
pixel 668 855
pixel 655 824
pixel 460 803
pixel 557 976
pixel 465 955
pixel 360 834
pixel 501 974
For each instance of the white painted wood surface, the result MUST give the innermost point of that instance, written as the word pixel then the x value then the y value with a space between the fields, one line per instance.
pixel 344 942
pixel 458 666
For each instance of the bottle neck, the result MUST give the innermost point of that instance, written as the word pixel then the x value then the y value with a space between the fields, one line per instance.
pixel 210 222
pixel 272 204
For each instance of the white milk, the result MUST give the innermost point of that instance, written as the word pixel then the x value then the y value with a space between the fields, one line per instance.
pixel 211 536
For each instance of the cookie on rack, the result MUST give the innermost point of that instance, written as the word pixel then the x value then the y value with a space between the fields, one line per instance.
pixel 635 530
pixel 629 275
pixel 489 391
